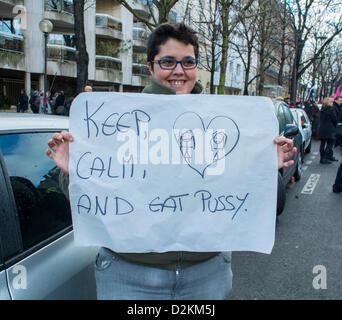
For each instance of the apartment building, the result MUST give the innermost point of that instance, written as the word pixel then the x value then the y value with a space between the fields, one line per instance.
pixel 116 45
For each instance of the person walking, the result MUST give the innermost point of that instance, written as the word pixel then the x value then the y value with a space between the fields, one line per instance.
pixel 338 108
pixel 23 101
pixel 337 186
pixel 35 102
pixel 172 55
pixel 327 131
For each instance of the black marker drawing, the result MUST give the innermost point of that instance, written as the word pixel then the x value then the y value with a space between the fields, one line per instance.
pixel 218 144
pixel 187 144
pixel 225 135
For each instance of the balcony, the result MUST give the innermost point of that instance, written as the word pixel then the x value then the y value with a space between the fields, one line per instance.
pixel 11 51
pixel 108 69
pixel 11 42
pixel 61 53
pixel 6 7
pixel 108 26
pixel 140 35
pixel 61 14
pixel 140 69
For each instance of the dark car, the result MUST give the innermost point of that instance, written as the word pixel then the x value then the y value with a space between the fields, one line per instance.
pixel 288 128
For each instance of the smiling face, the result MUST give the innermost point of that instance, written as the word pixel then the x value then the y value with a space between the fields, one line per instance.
pixel 179 79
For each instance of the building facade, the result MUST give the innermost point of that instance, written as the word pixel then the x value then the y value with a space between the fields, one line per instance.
pixel 116 45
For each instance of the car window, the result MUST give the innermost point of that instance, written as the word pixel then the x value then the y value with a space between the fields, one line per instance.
pixel 288 116
pixel 295 116
pixel 303 119
pixel 42 207
pixel 281 119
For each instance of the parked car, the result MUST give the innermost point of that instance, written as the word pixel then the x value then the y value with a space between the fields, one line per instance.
pixel 305 129
pixel 38 258
pixel 288 128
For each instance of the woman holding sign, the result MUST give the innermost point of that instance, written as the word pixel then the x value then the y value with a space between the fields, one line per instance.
pixel 172 56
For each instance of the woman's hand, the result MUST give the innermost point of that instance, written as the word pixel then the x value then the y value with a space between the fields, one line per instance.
pixel 285 151
pixel 59 150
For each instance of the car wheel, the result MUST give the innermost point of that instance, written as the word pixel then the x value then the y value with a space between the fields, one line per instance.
pixel 308 149
pixel 298 173
pixel 281 195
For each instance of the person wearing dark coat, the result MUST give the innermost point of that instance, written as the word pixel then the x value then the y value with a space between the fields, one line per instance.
pixel 35 102
pixel 338 108
pixel 327 131
pixel 60 100
pixel 337 186
pixel 23 101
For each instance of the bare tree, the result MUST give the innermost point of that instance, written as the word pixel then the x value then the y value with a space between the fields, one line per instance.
pixel 232 12
pixel 81 48
pixel 305 18
pixel 159 11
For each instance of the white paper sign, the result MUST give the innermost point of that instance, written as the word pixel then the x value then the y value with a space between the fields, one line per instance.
pixel 156 173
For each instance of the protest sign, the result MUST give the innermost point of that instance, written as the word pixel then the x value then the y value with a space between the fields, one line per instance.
pixel 156 173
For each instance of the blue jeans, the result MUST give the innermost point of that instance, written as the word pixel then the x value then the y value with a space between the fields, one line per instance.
pixel 117 279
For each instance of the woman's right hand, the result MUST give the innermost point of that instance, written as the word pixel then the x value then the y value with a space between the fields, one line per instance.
pixel 59 150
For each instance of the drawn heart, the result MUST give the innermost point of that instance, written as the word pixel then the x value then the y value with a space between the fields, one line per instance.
pixel 203 145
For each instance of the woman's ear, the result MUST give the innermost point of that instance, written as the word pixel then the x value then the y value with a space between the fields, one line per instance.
pixel 149 65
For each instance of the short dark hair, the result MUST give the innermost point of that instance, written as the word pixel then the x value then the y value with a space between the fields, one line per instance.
pixel 164 32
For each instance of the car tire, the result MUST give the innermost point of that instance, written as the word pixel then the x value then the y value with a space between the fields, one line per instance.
pixel 298 173
pixel 308 149
pixel 281 195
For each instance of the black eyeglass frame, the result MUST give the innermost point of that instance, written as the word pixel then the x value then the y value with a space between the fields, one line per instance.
pixel 177 61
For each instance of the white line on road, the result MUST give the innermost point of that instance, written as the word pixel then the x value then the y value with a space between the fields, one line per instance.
pixel 311 183
pixel 315 153
pixel 304 168
pixel 313 157
pixel 308 162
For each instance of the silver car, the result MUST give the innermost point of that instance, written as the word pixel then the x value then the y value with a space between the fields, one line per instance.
pixel 305 129
pixel 38 258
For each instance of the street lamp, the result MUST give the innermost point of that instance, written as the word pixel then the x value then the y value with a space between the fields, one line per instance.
pixel 46 27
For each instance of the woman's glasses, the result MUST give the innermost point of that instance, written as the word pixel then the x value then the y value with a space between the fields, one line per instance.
pixel 171 64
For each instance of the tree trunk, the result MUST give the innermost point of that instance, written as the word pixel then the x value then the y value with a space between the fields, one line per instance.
pixel 81 48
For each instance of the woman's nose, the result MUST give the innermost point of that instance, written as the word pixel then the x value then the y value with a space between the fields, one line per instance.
pixel 178 69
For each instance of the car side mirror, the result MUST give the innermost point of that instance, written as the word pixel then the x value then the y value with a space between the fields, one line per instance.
pixel 290 130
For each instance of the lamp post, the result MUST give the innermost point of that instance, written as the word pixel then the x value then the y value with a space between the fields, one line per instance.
pixel 46 27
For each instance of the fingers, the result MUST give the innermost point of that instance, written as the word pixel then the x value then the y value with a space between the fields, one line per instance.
pixel 63 136
pixel 50 154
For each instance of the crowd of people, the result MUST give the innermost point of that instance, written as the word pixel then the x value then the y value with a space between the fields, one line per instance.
pixel 57 104
pixel 326 125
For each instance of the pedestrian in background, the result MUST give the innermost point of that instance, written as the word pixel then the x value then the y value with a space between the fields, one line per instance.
pixel 35 102
pixel 337 186
pixel 327 131
pixel 88 89
pixel 338 109
pixel 60 100
pixel 23 101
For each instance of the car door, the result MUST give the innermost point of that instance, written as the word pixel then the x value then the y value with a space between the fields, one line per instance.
pixel 306 126
pixel 44 263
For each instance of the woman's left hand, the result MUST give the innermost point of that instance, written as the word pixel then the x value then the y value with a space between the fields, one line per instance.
pixel 285 151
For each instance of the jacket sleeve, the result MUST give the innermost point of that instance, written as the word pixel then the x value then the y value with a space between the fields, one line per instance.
pixel 334 116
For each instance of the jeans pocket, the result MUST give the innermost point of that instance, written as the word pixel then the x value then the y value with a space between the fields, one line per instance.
pixel 102 261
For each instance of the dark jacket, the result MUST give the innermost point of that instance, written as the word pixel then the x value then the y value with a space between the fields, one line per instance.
pixel 23 101
pixel 338 110
pixel 60 100
pixel 327 123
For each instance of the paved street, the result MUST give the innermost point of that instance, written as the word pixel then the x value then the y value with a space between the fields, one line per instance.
pixel 308 234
